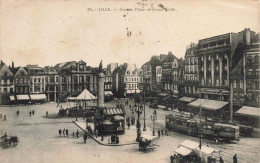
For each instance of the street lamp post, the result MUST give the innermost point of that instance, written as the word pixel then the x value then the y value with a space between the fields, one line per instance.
pixel 153 118
pixel 138 110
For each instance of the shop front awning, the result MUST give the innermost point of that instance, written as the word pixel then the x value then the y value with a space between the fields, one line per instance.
pixel 183 151
pixel 187 99
pixel 208 104
pixel 161 106
pixel 113 111
pixel 163 94
pixel 72 98
pixel 118 118
pixel 38 97
pixel 249 111
pixel 22 97
pixel 133 91
pixel 12 98
pixel 108 93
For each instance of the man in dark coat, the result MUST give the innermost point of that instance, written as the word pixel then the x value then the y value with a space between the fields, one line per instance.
pixel 221 160
pixel 30 113
pixel 64 132
pixel 17 113
pixel 67 132
pixel 128 125
pixel 117 139
pixel 85 137
pixel 60 132
pixel 5 118
pixel 235 158
pixel 77 134
pixel 33 112
pixel 159 133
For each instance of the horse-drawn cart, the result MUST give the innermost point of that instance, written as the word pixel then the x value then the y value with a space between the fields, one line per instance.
pixel 6 142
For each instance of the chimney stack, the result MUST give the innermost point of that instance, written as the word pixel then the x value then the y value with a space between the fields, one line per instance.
pixel 12 64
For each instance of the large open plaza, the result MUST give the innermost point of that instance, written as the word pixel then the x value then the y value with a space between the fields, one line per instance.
pixel 40 140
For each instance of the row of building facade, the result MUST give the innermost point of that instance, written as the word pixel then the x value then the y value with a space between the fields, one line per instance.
pixel 223 67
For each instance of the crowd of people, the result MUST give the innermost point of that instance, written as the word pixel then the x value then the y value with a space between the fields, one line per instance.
pixel 65 133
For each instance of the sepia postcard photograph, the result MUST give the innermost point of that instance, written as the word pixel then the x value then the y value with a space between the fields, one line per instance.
pixel 129 81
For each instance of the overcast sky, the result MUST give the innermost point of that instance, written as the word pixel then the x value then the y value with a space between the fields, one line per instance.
pixel 54 31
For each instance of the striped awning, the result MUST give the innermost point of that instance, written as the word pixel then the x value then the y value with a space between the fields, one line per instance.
pixel 22 97
pixel 113 111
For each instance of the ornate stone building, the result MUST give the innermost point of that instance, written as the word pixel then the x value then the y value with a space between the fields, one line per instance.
pixel 191 77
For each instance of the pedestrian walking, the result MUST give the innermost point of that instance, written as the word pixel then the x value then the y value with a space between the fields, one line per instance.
pixel 63 132
pixel 73 135
pixel 47 113
pixel 235 158
pixel 60 132
pixel 162 131
pixel 221 160
pixel 33 112
pixel 159 133
pixel 30 113
pixel 77 133
pixel 96 133
pixel 102 137
pixel 18 112
pixel 128 124
pixel 85 137
pixel 67 132
pixel 5 118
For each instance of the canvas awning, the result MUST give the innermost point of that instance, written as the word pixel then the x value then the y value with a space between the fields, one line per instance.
pixel 208 104
pixel 108 93
pixel 38 97
pixel 72 98
pixel 107 122
pixel 163 94
pixel 133 91
pixel 187 99
pixel 22 97
pixel 183 151
pixel 12 98
pixel 118 118
pixel 250 111
pixel 190 144
pixel 205 150
pixel 85 95
pixel 161 107
pixel 148 137
pixel 113 111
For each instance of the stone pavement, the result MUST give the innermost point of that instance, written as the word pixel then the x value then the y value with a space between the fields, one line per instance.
pixel 126 139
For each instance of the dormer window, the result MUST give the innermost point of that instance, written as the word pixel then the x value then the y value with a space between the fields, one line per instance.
pixel 81 67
